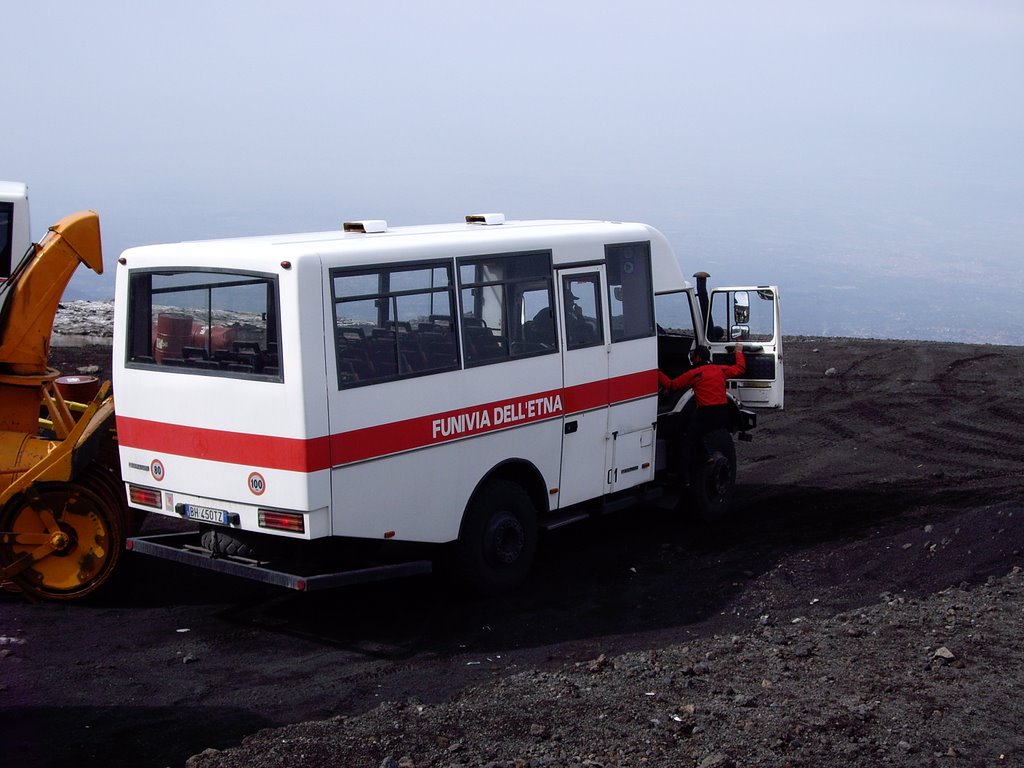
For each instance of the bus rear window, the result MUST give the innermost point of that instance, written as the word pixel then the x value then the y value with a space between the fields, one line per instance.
pixel 215 323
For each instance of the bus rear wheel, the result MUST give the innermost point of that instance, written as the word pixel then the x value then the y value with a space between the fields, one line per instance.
pixel 498 542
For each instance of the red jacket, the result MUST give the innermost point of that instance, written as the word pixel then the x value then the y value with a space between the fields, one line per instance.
pixel 708 381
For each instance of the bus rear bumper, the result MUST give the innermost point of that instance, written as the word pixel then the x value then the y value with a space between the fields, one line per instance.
pixel 185 548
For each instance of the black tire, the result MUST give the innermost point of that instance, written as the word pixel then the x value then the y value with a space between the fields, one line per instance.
pixel 498 541
pixel 221 541
pixel 102 481
pixel 89 535
pixel 712 478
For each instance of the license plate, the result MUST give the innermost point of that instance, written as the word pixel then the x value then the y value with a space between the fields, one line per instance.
pixel 206 514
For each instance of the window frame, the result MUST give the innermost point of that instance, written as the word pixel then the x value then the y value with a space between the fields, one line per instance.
pixel 594 279
pixel 652 328
pixel 142 314
pixel 390 268
pixel 508 307
pixel 664 330
pixel 729 329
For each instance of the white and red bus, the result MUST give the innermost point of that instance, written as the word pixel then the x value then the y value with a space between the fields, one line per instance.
pixel 462 384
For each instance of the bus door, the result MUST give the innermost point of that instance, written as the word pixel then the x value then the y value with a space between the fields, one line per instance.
pixel 585 346
pixel 749 316
pixel 632 366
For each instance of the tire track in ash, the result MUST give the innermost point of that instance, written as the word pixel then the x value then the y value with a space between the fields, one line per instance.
pixel 891 439
pixel 954 367
pixel 828 439
pixel 894 360
pixel 976 423
pixel 913 367
pixel 918 394
pixel 1009 411
pixel 983 425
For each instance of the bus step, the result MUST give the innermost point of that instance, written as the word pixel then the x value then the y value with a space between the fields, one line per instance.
pixel 563 519
pixel 647 494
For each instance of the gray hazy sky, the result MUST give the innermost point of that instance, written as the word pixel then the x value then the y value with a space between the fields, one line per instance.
pixel 844 149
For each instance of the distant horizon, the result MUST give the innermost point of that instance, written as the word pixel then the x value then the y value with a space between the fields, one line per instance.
pixel 867 294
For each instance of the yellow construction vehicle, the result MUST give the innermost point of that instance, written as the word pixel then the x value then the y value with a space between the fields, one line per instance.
pixel 63 515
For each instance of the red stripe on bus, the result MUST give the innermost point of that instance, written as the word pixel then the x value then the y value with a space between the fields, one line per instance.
pixel 311 455
pixel 290 453
pixel 621 389
pixel 436 429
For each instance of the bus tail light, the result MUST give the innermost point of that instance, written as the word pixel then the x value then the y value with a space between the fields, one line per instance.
pixel 147 497
pixel 283 521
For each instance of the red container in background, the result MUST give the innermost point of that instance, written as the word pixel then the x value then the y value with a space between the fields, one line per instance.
pixel 219 337
pixel 78 389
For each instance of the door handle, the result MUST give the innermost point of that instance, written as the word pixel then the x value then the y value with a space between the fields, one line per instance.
pixel 571 426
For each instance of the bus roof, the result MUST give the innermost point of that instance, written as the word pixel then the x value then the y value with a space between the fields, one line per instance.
pixel 372 241
pixel 13 190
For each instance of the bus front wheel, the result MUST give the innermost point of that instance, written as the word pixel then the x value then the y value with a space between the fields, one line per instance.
pixel 712 478
pixel 498 542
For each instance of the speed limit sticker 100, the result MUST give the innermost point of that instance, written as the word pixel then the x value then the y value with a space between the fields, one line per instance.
pixel 257 485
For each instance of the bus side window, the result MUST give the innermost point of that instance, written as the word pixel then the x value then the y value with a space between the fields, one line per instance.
pixel 391 322
pixel 506 306
pixel 630 291
pixel 538 319
pixel 677 324
pixel 582 303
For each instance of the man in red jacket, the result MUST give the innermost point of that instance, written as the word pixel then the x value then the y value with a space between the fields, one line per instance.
pixel 708 382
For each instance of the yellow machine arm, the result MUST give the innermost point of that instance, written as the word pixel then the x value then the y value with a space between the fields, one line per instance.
pixel 31 295
pixel 63 512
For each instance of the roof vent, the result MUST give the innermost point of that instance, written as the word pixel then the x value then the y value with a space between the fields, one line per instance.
pixel 368 226
pixel 487 219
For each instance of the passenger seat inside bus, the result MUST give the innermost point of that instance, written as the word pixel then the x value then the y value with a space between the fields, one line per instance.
pixel 483 344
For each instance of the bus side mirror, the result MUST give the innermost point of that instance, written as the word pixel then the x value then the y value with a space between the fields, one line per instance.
pixel 741 308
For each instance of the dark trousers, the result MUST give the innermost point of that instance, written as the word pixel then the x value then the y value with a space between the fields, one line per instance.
pixel 711 417
pixel 706 419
